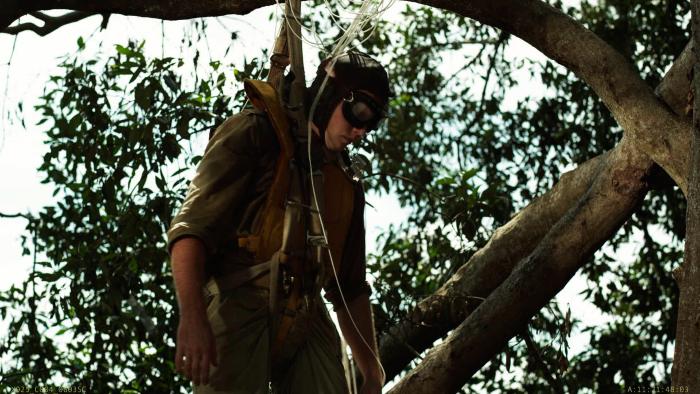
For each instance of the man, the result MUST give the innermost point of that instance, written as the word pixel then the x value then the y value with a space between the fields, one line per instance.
pixel 224 340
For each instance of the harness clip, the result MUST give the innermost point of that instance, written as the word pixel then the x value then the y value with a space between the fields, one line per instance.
pixel 316 240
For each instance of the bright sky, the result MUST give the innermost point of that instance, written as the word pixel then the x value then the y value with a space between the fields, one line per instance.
pixel 34 59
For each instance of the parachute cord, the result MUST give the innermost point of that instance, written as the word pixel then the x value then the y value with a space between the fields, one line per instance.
pixel 351 33
pixel 369 11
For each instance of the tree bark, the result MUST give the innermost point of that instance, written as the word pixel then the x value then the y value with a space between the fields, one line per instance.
pixel 660 133
pixel 434 316
pixel 612 198
pixel 491 265
pixel 686 360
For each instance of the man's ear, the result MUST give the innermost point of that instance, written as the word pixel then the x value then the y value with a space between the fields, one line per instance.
pixel 314 128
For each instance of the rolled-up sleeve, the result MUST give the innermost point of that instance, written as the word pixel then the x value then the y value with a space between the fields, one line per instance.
pixel 219 186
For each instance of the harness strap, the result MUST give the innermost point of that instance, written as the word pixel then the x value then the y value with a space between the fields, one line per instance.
pixel 263 240
pixel 234 280
pixel 288 313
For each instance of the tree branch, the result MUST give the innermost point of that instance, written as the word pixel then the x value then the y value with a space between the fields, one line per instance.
pixel 664 136
pixel 486 269
pixel 51 23
pixel 14 215
pixel 491 265
pixel 160 9
pixel 612 198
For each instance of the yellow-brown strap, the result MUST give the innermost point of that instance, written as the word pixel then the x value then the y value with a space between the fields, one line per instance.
pixel 264 97
pixel 289 312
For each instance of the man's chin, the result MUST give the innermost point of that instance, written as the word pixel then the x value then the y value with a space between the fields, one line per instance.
pixel 336 147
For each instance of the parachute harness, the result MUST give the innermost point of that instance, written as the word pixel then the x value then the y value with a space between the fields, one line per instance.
pixel 361 25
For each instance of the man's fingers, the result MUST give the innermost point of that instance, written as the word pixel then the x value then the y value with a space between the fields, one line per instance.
pixel 204 369
pixel 196 362
pixel 178 360
pixel 188 362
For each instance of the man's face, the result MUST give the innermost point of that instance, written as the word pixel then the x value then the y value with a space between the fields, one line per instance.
pixel 339 132
pixel 351 119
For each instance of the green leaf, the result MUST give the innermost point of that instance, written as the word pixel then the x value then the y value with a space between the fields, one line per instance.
pixel 142 95
pixel 133 265
pixel 171 84
pixel 170 146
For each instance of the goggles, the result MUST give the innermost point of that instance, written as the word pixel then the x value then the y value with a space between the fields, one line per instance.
pixel 362 111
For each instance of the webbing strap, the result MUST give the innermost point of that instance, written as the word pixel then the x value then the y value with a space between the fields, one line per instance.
pixel 264 97
pixel 236 279
pixel 264 239
pixel 289 315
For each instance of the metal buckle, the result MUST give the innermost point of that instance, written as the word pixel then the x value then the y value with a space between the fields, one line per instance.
pixel 316 240
pixel 287 281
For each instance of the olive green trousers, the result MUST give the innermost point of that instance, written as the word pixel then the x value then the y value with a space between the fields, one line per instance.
pixel 310 360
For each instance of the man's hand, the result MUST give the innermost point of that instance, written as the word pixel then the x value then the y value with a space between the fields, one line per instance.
pixel 360 336
pixel 196 349
pixel 373 380
pixel 371 387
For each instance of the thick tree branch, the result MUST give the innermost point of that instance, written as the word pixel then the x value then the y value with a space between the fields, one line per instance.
pixel 686 357
pixel 674 88
pixel 612 198
pixel 160 9
pixel 485 270
pixel 491 265
pixel 51 23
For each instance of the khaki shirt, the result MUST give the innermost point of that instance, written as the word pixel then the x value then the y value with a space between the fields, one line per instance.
pixel 227 194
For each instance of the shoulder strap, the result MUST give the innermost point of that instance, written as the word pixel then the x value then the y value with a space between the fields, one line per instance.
pixel 264 97
pixel 265 238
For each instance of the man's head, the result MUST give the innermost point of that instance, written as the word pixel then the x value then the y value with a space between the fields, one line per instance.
pixel 353 101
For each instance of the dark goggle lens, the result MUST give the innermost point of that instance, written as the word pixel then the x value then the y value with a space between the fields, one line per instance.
pixel 360 112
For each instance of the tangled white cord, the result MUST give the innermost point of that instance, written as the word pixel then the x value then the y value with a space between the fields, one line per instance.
pixel 361 25
pixel 369 11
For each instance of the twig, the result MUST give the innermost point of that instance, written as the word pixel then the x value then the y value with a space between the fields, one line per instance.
pixel 15 215
pixel 409 180
pixel 552 378
pixel 4 97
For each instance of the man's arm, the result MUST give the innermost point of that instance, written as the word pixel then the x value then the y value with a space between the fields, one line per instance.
pixel 195 341
pixel 366 358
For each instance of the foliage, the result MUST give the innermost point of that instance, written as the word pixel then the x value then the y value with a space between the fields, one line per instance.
pixel 117 129
pixel 463 150
pixel 464 122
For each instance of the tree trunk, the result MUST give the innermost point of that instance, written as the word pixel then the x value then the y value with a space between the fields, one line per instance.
pixel 686 361
pixel 491 265
pixel 613 197
pixel 434 316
